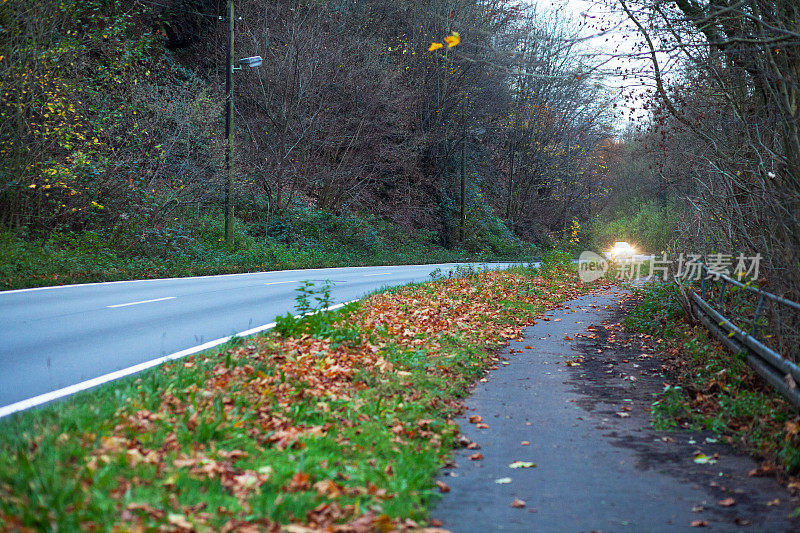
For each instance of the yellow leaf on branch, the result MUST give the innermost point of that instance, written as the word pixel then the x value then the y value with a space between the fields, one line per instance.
pixel 453 39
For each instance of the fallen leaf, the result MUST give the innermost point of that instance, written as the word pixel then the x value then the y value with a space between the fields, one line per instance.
pixel 623 415
pixel 702 459
pixel 191 423
pixel 329 488
pixel 763 470
pixel 443 487
pixel 474 419
pixel 773 503
pixel 476 456
pixel 482 425
pixel 179 521
pixel 517 503
pixel 522 464
pixel 525 443
pixel 503 481
pixel 727 502
pixel 699 523
pixel 382 523
pixel 473 446
pixel 298 482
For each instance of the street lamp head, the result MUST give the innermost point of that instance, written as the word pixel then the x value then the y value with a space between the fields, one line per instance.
pixel 251 62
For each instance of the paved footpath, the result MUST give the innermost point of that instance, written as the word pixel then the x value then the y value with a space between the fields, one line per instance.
pixel 600 465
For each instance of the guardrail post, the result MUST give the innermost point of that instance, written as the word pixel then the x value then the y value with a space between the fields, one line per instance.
pixel 755 316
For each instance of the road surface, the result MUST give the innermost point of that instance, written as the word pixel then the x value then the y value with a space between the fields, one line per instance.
pixel 57 340
pixel 599 464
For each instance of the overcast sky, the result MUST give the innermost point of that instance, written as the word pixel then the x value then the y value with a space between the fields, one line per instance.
pixel 611 45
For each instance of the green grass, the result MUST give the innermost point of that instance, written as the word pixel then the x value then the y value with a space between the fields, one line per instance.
pixel 54 471
pixel 203 440
pixel 306 239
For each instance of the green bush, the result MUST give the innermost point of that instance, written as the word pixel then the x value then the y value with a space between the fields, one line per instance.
pixel 648 227
pixel 194 244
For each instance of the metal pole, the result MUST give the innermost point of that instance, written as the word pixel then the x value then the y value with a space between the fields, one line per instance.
pixel 510 184
pixel 462 222
pixel 229 131
pixel 463 215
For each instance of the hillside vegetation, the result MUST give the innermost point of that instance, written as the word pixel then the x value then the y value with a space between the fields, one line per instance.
pixel 356 141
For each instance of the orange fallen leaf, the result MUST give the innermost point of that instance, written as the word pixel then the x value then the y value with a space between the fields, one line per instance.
pixel 699 523
pixel 476 456
pixel 298 482
pixel 474 419
pixel 517 503
pixel 191 423
pixel 443 487
pixel 727 502
pixel 329 488
pixel 525 443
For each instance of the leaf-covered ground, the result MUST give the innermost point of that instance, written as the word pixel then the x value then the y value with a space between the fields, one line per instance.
pixel 337 420
pixel 715 389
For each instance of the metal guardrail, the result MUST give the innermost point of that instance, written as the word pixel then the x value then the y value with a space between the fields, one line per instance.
pixel 780 372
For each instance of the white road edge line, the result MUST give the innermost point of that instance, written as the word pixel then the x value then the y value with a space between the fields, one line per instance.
pixel 143 302
pixel 279 282
pixel 381 274
pixel 112 376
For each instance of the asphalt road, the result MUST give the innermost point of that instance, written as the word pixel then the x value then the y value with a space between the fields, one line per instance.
pixel 57 338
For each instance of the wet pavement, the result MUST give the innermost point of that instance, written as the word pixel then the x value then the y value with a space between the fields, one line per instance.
pixel 575 402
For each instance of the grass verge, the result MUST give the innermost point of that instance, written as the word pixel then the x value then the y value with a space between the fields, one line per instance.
pixel 337 420
pixel 715 389
pixel 307 239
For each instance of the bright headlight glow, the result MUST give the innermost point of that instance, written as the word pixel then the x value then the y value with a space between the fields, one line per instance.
pixel 622 248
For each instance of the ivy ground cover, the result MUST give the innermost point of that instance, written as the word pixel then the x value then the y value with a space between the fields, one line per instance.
pixel 336 421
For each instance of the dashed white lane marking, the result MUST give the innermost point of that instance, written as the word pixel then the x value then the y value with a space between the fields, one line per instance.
pixel 381 274
pixel 94 382
pixel 279 282
pixel 143 302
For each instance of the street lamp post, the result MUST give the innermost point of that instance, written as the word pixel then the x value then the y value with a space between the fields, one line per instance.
pixel 251 62
pixel 229 131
